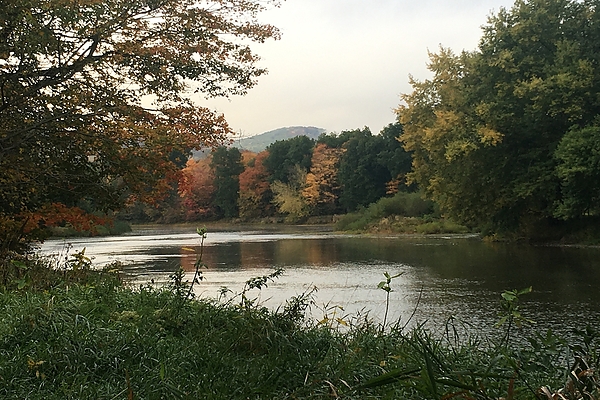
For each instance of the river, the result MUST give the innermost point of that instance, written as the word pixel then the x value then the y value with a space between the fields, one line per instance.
pixel 441 277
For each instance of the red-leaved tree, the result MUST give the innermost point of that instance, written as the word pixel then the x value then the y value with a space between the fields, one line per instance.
pixel 255 193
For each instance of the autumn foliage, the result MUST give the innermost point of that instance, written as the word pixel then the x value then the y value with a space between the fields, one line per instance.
pixel 94 99
pixel 294 179
pixel 196 189
pixel 254 200
pixel 322 187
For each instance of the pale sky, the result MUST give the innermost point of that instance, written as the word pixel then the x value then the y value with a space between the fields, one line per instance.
pixel 342 64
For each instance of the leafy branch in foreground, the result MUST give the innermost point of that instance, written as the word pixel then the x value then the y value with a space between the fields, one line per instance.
pixel 511 313
pixel 199 263
pixel 95 103
pixel 259 283
pixel 178 283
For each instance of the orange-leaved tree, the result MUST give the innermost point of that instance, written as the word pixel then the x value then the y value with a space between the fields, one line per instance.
pixel 255 193
pixel 196 189
pixel 95 98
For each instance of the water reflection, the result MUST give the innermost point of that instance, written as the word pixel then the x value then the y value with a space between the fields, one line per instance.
pixel 441 276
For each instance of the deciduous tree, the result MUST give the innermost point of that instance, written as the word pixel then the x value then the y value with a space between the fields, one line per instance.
pixel 578 157
pixel 288 196
pixel 322 189
pixel 448 143
pixel 486 129
pixel 255 193
pixel 196 190
pixel 362 175
pixel 285 155
pixel 94 95
pixel 397 160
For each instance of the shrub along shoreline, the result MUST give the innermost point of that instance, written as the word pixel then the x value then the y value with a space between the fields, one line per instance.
pixel 77 333
pixel 404 213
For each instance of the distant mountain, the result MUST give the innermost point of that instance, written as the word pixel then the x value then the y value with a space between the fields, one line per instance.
pixel 260 142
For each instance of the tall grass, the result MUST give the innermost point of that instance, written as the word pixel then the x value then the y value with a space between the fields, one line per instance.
pixel 106 342
pixel 98 339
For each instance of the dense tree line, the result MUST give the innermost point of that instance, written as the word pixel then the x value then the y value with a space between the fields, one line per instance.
pixel 507 137
pixel 297 177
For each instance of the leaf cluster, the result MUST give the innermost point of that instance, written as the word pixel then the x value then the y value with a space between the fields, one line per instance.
pixel 94 96
pixel 503 137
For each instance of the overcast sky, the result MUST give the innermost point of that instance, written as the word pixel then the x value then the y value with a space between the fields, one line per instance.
pixel 342 64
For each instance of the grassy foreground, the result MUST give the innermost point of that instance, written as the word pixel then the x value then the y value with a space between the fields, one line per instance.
pixel 87 336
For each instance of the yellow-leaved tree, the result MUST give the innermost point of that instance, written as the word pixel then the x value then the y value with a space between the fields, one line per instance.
pixel 322 188
pixel 505 137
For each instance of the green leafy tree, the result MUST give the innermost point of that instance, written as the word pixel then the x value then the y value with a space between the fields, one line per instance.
pixel 448 145
pixel 333 140
pixel 93 97
pixel 285 155
pixel 397 160
pixel 484 130
pixel 578 157
pixel 227 166
pixel 362 175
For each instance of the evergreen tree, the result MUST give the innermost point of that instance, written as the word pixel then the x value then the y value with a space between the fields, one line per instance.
pixel 284 155
pixel 362 175
pixel 227 166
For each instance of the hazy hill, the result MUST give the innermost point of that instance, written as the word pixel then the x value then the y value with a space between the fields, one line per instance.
pixel 260 142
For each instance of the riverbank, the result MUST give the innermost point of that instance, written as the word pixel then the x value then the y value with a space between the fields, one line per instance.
pixel 92 337
pixel 114 227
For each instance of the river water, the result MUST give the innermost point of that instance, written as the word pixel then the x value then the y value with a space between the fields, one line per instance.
pixel 442 277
